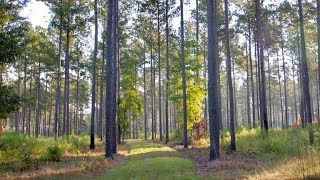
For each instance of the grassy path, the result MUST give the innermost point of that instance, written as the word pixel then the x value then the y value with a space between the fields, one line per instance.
pixel 149 160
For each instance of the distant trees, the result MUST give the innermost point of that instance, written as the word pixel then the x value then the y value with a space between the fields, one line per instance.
pixel 147 74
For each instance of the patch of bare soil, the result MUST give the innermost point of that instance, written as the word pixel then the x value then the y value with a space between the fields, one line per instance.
pixel 89 164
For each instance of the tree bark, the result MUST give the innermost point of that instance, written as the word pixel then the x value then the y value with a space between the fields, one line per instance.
pixel 263 103
pixel 230 86
pixel 145 97
pixel 213 86
pixel 109 84
pixel 252 82
pixel 280 92
pixel 284 78
pixel 318 32
pixel 66 81
pixel 93 87
pixel 184 87
pixel 305 77
pixel 58 93
pixel 248 90
pixel 159 68
pixel 167 72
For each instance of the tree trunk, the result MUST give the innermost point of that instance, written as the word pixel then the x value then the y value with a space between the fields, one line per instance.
pixel 159 68
pixel 184 88
pixel 248 90
pixel 167 72
pixel 58 93
pixel 252 82
pixel 318 32
pixel 115 74
pixel 230 86
pixel 213 86
pixel 152 92
pixel 145 97
pixel 38 111
pixel 66 81
pixel 30 106
pixel 269 87
pixel 205 83
pixel 280 92
pixel 50 111
pixel 234 95
pixel 305 77
pixel 294 90
pixel 93 87
pixel 284 78
pixel 109 83
pixel 257 81
pixel 263 103
pixel 101 91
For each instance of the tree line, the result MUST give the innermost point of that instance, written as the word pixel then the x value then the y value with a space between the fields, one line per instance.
pixel 239 63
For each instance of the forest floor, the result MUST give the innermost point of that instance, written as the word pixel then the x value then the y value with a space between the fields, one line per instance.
pixel 138 159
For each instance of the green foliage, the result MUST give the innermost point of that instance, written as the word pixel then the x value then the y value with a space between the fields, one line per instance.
pixel 12 30
pixel 19 152
pixel 195 90
pixel 76 144
pixel 16 152
pixel 54 153
pixel 275 143
pixel 9 100
pixel 177 135
pixel 130 102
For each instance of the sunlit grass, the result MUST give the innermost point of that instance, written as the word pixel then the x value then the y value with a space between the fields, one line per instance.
pixel 153 161
pixel 283 153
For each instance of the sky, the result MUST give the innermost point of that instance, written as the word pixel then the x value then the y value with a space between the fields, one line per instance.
pixel 39 14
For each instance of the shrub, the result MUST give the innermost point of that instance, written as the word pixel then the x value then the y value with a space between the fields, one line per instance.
pixel 177 135
pixel 54 153
pixel 76 144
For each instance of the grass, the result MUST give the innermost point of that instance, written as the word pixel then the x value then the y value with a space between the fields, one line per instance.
pixel 29 157
pixel 280 153
pixel 149 160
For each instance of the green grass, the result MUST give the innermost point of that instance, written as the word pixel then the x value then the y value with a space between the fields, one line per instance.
pixel 152 161
pixel 19 152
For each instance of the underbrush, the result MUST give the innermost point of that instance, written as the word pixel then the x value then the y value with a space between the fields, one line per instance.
pixel 286 150
pixel 19 152
pixel 272 144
